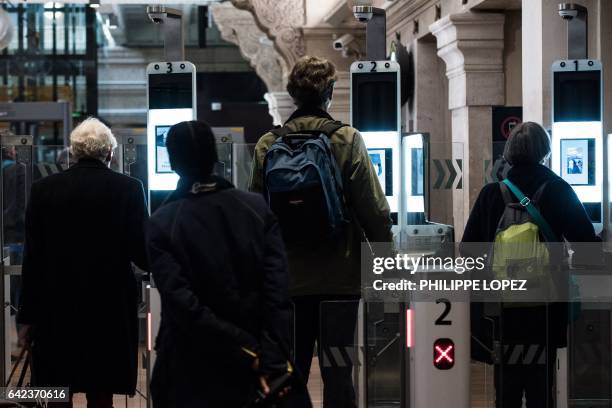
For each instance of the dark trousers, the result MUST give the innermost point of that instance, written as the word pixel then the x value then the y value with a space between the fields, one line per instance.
pixel 330 321
pixel 529 340
pixel 534 380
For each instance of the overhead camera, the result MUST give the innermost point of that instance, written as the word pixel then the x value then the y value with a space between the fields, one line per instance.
pixel 569 11
pixel 363 13
pixel 342 42
pixel 155 14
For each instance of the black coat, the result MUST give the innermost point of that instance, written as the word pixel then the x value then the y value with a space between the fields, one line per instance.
pixel 562 209
pixel 218 261
pixel 84 228
pixel 559 205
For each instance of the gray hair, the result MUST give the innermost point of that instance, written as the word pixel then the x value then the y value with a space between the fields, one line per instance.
pixel 93 139
pixel 528 143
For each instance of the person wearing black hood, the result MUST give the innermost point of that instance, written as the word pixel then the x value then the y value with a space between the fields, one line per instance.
pixel 219 264
pixel 541 327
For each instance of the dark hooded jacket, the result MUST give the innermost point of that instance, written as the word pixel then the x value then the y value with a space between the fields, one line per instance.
pixel 219 264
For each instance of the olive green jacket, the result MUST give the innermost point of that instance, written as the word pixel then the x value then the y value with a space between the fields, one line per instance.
pixel 329 268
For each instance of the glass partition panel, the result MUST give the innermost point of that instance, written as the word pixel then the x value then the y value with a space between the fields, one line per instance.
pixel 235 161
pixel 385 363
pixel 22 164
pixel 432 191
pixel 131 155
pixel 242 164
pixel 608 245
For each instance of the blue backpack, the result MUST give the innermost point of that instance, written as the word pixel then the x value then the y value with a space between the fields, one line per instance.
pixel 303 184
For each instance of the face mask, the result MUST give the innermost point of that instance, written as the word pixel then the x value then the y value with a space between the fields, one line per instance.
pixel 328 104
pixel 545 159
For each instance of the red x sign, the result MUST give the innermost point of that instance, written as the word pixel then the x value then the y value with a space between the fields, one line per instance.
pixel 444 354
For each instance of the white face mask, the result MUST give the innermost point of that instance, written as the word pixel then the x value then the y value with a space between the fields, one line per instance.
pixel 546 158
pixel 328 104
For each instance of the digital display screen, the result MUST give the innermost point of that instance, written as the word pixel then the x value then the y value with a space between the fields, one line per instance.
pixel 171 100
pixel 417 173
pixel 414 172
pixel 162 161
pixel 382 159
pixel 577 96
pixel 577 157
pixel 159 121
pixel 578 161
pixel 384 152
pixel 171 91
pixel 374 101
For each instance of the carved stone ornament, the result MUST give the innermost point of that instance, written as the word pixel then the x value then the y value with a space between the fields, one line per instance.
pixel 6 29
pixel 239 27
pixel 282 22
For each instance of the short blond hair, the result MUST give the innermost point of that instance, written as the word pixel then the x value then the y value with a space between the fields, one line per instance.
pixel 311 81
pixel 93 139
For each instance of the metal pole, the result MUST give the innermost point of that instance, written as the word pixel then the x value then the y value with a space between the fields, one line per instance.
pixel 172 26
pixel 376 31
pixel 3 321
pixel 577 30
pixel 376 35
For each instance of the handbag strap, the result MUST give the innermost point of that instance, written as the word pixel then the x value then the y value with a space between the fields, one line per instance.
pixel 24 371
pixel 22 353
pixel 535 214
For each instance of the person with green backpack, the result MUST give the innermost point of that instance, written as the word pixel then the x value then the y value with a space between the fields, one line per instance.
pixel 529 209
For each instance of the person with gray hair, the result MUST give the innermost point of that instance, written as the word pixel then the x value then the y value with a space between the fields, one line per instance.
pixel 84 229
pixel 92 139
pixel 527 325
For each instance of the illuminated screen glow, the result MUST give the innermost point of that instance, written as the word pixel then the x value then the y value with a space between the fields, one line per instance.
pixel 161 177
pixel 577 156
pixel 378 145
pixel 414 170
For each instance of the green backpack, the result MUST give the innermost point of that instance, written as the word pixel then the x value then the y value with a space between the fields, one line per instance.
pixel 521 251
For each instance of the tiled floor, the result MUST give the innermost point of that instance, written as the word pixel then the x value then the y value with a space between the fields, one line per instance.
pixel 482 390
pixel 314 386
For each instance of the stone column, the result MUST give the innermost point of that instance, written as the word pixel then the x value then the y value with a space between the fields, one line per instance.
pixel 545 41
pixel 429 113
pixel 471 45
pixel 280 105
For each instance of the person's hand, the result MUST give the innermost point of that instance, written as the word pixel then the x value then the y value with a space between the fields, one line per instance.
pixel 265 388
pixel 263 383
pixel 24 335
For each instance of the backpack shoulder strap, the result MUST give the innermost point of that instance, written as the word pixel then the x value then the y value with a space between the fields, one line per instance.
pixel 331 127
pixel 525 201
pixel 328 129
pixel 506 194
pixel 280 131
pixel 538 194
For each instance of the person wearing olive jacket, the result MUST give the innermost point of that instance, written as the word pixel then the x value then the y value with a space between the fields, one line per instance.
pixel 329 271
